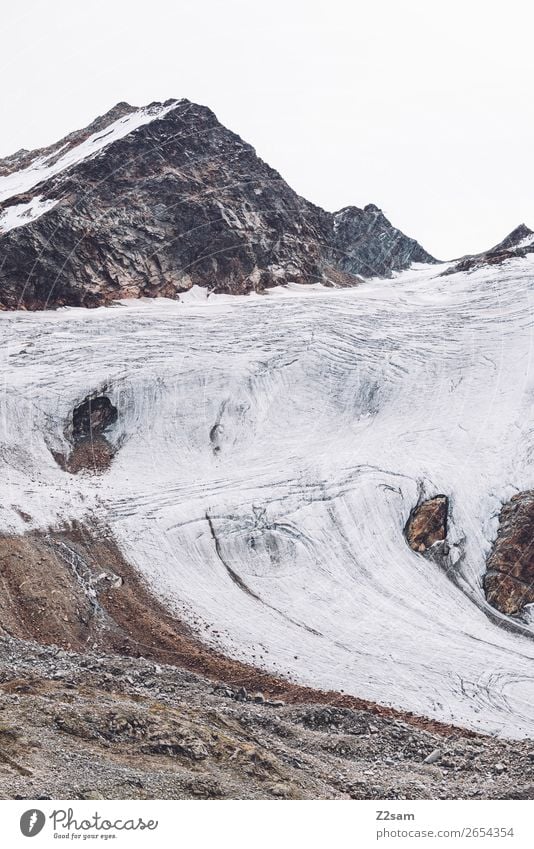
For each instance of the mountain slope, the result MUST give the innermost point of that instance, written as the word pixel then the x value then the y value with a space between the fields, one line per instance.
pixel 152 201
pixel 97 726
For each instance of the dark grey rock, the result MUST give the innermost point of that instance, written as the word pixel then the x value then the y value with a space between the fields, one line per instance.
pixel 177 202
pixel 367 244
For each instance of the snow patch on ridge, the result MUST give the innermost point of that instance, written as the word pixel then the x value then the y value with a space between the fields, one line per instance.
pixel 26 179
pixel 526 242
pixel 23 213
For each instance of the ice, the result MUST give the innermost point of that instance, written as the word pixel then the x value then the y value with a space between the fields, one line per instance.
pixel 284 438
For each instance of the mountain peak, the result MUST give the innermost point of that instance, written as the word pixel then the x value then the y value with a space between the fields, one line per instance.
pixel 370 242
pixel 513 239
pixel 150 201
pixel 518 243
pixel 372 208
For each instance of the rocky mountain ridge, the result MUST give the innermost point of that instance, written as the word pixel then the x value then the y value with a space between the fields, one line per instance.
pixel 149 202
pixel 519 243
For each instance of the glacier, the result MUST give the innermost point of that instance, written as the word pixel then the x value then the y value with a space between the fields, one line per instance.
pixel 269 450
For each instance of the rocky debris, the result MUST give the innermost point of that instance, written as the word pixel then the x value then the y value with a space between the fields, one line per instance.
pixel 427 523
pixel 89 455
pixel 519 243
pixel 176 202
pixel 241 695
pixel 433 757
pixel 108 729
pixel 91 450
pixel 335 720
pixel 166 736
pixel 509 577
pixel 43 596
pixel 98 600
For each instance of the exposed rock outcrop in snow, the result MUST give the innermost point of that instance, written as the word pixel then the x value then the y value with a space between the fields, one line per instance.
pixel 91 450
pixel 509 580
pixel 427 523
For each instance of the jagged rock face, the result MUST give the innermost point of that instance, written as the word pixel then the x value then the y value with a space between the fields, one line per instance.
pixel 367 244
pixel 509 579
pixel 427 523
pixel 178 200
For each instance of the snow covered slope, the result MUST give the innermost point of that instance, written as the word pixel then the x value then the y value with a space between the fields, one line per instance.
pixel 42 168
pixel 269 451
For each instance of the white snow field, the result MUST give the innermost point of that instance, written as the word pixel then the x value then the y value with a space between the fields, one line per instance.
pixel 270 449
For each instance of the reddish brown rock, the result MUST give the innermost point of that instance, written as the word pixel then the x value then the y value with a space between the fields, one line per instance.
pixel 509 579
pixel 91 450
pixel 427 523
pixel 89 455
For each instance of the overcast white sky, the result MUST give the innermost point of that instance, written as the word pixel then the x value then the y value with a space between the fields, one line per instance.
pixel 424 108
